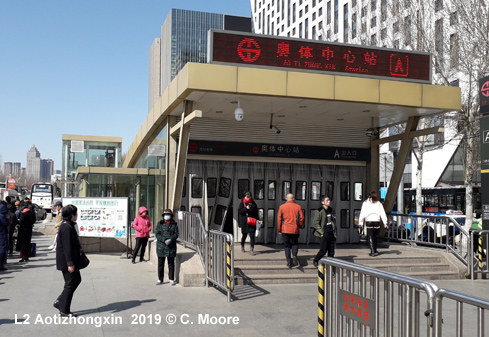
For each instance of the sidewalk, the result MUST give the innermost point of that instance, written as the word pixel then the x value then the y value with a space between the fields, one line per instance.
pixel 123 300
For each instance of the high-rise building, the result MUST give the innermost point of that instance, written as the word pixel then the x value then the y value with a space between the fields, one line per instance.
pixel 47 169
pixel 12 169
pixel 184 39
pixel 33 166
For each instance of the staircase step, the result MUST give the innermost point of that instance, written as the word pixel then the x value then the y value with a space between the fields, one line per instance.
pixel 276 279
pixel 274 269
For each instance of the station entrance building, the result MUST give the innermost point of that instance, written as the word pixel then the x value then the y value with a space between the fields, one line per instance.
pixel 307 132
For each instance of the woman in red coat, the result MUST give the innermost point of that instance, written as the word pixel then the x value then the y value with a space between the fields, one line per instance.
pixel 142 225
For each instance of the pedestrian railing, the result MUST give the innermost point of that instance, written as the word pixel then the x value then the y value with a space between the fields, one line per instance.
pixel 215 248
pixel 431 230
pixel 192 233
pixel 479 246
pixel 220 257
pixel 357 300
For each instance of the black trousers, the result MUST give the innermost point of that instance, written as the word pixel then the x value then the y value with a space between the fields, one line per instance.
pixel 140 243
pixel 372 234
pixel 161 268
pixel 252 239
pixel 291 242
pixel 328 243
pixel 11 242
pixel 72 281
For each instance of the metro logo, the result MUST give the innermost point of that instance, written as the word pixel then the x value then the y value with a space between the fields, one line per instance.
pixel 399 65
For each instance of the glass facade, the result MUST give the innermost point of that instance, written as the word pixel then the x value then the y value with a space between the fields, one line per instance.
pixel 189 37
pixel 152 162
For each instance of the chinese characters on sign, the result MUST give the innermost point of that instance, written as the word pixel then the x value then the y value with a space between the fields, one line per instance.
pixel 217 148
pixel 356 307
pixel 320 56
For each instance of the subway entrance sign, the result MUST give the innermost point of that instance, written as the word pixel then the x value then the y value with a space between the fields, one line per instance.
pixel 317 56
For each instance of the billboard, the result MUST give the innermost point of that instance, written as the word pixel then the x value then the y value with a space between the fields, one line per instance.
pixel 101 217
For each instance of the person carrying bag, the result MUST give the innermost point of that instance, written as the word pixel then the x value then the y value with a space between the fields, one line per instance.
pixel 372 216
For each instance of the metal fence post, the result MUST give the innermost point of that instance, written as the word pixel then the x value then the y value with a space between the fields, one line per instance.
pixel 321 300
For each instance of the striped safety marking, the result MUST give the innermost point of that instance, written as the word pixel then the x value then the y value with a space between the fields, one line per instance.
pixel 480 252
pixel 228 264
pixel 321 300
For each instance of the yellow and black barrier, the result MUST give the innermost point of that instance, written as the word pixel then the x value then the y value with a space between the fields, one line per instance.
pixel 321 300
pixel 228 265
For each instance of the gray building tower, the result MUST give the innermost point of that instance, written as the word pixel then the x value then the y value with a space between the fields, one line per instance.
pixel 33 166
pixel 184 39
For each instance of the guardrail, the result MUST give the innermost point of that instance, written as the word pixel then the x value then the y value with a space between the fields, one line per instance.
pixel 220 257
pixel 192 233
pixel 215 248
pixel 431 230
pixel 479 246
pixel 357 300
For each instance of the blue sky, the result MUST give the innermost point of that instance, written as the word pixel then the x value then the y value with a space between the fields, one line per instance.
pixel 79 67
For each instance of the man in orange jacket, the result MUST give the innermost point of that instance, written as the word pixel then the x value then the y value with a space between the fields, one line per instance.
pixel 290 219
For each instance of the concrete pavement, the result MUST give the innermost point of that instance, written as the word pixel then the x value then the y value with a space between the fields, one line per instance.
pixel 117 298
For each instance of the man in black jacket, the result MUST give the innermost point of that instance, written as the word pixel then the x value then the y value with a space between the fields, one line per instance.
pixel 325 228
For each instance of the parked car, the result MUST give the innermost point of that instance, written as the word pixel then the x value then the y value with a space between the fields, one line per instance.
pixel 54 211
pixel 40 212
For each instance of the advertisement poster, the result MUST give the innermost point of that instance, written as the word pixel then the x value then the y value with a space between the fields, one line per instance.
pixel 101 217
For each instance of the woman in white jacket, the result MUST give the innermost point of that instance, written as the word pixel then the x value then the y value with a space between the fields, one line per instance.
pixel 372 214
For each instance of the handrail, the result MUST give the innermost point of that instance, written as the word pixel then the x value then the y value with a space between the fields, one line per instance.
pixel 194 235
pixel 442 232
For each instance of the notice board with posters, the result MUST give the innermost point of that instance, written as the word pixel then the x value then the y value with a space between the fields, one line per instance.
pixel 101 217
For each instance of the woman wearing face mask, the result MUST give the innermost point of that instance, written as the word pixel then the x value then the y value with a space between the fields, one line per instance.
pixel 142 225
pixel 166 234
pixel 68 259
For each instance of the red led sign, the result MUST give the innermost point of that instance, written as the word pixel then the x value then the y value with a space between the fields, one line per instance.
pixel 282 52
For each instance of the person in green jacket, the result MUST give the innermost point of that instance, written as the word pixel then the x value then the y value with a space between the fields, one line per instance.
pixel 325 228
pixel 166 247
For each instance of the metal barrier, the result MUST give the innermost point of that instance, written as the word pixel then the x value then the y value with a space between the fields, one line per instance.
pixel 220 254
pixel 215 248
pixel 479 246
pixel 192 233
pixel 430 230
pixel 357 300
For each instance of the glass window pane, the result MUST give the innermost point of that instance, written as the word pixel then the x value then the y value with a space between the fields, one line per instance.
pixel 211 187
pixel 358 188
pixel 330 189
pixel 196 209
pixel 271 218
pixel 300 190
pixel 261 213
pixel 197 184
pixel 272 190
pixel 345 191
pixel 224 187
pixel 220 210
pixel 315 190
pixel 243 186
pixel 345 218
pixel 209 214
pixel 259 189
pixel 357 216
pixel 285 189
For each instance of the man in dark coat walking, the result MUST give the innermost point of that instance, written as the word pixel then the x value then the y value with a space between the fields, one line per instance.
pixel 247 216
pixel 26 222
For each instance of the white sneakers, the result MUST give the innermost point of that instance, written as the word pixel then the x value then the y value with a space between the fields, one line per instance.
pixel 51 247
pixel 172 282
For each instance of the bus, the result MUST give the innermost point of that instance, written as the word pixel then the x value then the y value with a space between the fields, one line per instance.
pixel 442 199
pixel 42 195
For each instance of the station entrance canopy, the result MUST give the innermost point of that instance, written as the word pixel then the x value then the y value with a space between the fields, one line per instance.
pixel 310 107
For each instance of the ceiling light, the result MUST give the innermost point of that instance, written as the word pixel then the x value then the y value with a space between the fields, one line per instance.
pixel 281 116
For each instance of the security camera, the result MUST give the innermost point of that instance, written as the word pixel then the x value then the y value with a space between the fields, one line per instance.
pixel 371 133
pixel 239 114
pixel 274 128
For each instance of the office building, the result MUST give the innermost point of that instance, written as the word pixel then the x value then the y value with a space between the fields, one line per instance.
pixel 184 39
